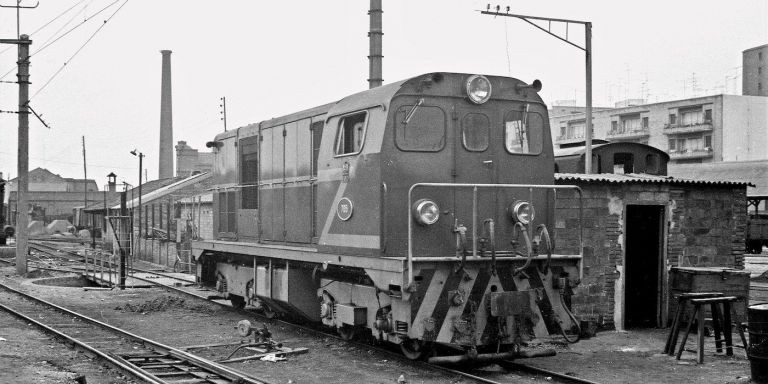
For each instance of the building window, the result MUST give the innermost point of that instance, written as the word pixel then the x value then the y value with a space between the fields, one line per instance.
pixel 652 164
pixel 630 123
pixel 614 126
pixel 691 116
pixel 672 145
pixel 708 142
pixel 708 115
pixel 760 56
pixel 576 130
pixel 351 134
pixel 672 119
pixel 645 122
pixel 623 163
pixel 562 132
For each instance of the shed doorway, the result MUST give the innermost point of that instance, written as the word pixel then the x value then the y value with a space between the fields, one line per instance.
pixel 643 266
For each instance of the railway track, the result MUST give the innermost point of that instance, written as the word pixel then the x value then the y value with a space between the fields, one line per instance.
pixel 144 359
pixel 514 368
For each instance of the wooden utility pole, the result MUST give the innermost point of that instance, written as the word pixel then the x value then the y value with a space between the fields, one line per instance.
pixel 22 206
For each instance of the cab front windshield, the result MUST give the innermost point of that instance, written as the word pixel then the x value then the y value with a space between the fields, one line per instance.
pixel 523 132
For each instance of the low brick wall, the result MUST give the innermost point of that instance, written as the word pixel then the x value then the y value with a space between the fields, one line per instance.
pixel 705 228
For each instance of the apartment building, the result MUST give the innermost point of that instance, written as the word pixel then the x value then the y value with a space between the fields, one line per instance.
pixel 697 130
pixel 754 71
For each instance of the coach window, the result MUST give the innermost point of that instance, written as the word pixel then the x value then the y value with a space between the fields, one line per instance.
pixel 351 134
pixel 475 132
pixel 420 128
pixel 523 132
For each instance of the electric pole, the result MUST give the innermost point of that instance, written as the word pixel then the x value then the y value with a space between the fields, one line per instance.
pixel 22 205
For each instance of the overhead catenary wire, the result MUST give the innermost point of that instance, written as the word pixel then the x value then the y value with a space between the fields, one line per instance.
pixel 79 49
pixel 71 30
pixel 48 23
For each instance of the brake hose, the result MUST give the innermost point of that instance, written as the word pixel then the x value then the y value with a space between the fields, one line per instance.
pixel 544 233
pixel 528 247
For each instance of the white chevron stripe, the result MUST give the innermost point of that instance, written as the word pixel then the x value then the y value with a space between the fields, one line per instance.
pixel 430 301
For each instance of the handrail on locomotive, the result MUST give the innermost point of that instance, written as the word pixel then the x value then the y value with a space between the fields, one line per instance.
pixel 475 187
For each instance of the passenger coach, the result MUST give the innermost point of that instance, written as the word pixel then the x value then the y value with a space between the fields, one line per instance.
pixel 418 212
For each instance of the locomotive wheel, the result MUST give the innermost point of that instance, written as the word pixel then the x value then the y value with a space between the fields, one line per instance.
pixel 238 302
pixel 346 332
pixel 415 349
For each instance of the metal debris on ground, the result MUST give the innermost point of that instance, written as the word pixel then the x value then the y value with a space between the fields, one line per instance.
pixel 266 349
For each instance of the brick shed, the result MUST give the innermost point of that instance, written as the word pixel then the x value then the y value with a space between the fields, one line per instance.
pixel 636 227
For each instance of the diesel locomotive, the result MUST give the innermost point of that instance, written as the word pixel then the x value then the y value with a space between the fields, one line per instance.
pixel 419 213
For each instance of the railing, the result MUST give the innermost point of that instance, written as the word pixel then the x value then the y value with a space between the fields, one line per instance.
pixel 705 125
pixel 629 133
pixel 475 188
pixel 690 153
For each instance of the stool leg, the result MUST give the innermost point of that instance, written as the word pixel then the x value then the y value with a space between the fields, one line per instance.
pixel 716 325
pixel 669 348
pixel 700 341
pixel 728 336
pixel 687 332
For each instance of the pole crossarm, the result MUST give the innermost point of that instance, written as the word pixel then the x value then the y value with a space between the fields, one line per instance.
pixel 19 6
pixel 15 41
pixel 528 19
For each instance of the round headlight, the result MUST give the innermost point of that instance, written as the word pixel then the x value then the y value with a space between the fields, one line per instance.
pixel 478 89
pixel 522 211
pixel 426 212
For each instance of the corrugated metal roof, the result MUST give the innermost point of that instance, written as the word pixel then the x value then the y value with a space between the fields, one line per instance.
pixel 642 178
pixel 753 172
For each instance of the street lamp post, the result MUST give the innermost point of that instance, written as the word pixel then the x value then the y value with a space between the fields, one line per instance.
pixel 141 158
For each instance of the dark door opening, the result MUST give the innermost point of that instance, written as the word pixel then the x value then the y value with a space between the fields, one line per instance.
pixel 642 269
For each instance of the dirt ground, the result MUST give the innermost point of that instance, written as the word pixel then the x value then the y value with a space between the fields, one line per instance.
pixel 29 356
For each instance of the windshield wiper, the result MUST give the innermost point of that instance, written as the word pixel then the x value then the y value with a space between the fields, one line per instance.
pixel 410 113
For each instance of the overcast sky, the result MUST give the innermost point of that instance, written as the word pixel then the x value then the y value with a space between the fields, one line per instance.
pixel 274 58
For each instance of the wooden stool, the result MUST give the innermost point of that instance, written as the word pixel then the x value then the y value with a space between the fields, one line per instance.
pixel 726 322
pixel 682 301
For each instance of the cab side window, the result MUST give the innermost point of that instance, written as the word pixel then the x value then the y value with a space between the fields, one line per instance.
pixel 351 134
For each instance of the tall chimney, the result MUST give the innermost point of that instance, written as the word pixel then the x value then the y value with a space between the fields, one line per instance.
pixel 374 41
pixel 166 120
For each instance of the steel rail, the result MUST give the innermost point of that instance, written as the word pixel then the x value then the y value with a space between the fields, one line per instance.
pixel 515 364
pixel 562 376
pixel 219 369
pixel 117 363
pixel 567 378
